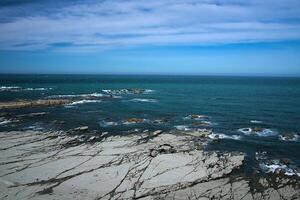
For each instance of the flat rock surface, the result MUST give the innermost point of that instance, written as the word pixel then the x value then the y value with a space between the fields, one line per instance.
pixel 43 165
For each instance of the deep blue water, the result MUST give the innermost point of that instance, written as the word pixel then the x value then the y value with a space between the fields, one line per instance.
pixel 230 103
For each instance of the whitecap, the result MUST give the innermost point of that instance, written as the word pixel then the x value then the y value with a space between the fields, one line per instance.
pixel 128 91
pixel 223 136
pixel 149 91
pixel 37 89
pixel 144 100
pixel 78 95
pixel 263 133
pixel 108 123
pixel 272 168
pixel 246 131
pixel 9 88
pixel 83 102
pixel 5 122
pixel 256 122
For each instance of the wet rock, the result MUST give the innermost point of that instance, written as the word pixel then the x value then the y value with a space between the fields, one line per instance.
pixel 289 137
pixel 258 129
pixel 135 120
pixel 286 161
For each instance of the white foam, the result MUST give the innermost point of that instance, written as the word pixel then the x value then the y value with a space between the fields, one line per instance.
pixel 133 122
pixel 149 91
pixel 14 88
pixel 294 139
pixel 126 91
pixel 195 117
pixel 5 122
pixel 256 121
pixel 78 95
pixel 110 123
pixel 223 136
pixel 144 100
pixel 37 89
pixel 264 133
pixel 9 87
pixel 272 168
pixel 182 128
pixel 84 101
pixel 246 131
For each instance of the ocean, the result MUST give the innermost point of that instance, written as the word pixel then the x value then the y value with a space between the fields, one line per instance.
pixel 256 115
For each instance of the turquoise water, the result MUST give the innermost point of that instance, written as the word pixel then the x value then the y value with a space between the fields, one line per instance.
pixel 230 104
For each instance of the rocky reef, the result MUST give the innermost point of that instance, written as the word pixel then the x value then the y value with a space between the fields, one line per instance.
pixel 153 165
pixel 33 103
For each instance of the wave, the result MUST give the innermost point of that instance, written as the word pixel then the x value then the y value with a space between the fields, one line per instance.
pixel 223 136
pixel 37 89
pixel 278 166
pixel 17 89
pixel 83 102
pixel 9 87
pixel 144 100
pixel 127 91
pixel 256 122
pixel 258 132
pixel 108 123
pixel 78 95
pixel 149 91
pixel 5 122
pixel 182 128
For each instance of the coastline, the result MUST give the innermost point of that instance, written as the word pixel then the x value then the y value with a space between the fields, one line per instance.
pixel 153 165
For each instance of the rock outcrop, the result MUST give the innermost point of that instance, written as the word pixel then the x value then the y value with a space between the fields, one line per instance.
pixel 39 165
pixel 30 104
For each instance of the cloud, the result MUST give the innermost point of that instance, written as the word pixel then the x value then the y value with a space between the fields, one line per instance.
pixel 96 25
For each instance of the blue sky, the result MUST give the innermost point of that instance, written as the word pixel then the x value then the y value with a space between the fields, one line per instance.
pixel 214 37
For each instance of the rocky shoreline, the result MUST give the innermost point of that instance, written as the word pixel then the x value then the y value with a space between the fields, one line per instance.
pixel 154 165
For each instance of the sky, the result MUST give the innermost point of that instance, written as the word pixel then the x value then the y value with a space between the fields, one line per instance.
pixel 193 37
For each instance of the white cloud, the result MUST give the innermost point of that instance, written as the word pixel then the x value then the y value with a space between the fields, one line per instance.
pixel 97 25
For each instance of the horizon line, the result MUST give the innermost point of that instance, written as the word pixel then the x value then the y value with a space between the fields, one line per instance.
pixel 160 74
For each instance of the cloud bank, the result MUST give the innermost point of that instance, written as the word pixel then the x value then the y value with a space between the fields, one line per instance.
pixel 96 25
